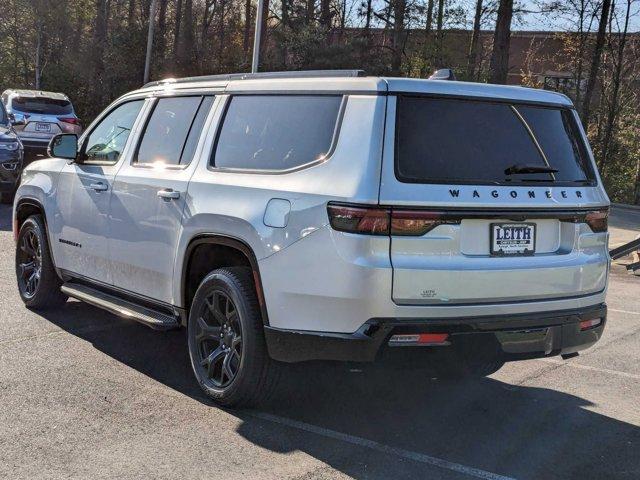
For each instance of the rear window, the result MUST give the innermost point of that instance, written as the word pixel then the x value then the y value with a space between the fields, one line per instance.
pixel 262 132
pixel 3 114
pixel 42 105
pixel 468 141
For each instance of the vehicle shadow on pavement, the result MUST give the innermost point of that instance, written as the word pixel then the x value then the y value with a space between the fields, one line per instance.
pixel 517 431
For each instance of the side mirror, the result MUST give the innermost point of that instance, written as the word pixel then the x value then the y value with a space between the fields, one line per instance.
pixel 14 120
pixel 64 145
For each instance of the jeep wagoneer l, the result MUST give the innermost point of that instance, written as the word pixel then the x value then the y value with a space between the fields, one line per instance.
pixel 326 215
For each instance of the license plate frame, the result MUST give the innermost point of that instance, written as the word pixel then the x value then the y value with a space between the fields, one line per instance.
pixel 529 248
pixel 43 127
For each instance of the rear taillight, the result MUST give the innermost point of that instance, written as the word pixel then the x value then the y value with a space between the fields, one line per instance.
pixel 71 120
pixel 598 220
pixel 364 220
pixel 415 222
pixel 384 221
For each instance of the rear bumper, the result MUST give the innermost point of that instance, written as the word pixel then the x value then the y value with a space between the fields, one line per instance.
pixel 519 336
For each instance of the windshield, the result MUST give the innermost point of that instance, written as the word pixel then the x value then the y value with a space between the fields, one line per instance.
pixel 42 105
pixel 468 141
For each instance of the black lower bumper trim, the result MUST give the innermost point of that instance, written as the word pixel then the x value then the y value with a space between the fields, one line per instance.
pixel 520 336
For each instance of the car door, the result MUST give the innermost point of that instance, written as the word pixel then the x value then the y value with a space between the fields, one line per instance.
pixel 84 187
pixel 148 196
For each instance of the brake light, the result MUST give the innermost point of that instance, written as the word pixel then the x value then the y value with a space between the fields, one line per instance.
pixel 71 120
pixel 598 220
pixel 364 220
pixel 385 221
pixel 415 222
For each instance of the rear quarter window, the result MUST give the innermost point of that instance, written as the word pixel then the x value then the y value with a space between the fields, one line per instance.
pixel 466 141
pixel 276 132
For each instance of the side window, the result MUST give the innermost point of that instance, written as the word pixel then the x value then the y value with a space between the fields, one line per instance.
pixel 107 140
pixel 172 132
pixel 269 132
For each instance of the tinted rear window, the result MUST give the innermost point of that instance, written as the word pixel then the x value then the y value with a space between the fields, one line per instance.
pixel 42 105
pixel 173 130
pixel 264 132
pixel 465 141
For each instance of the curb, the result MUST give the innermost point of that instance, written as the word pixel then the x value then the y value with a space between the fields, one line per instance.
pixel 626 206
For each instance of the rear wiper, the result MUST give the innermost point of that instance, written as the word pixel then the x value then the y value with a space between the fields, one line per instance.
pixel 525 168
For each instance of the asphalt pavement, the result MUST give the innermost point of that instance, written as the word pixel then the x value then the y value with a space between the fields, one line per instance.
pixel 85 394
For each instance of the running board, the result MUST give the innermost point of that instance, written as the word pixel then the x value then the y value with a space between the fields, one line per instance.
pixel 121 307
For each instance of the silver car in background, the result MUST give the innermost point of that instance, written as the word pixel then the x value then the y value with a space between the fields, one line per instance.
pixel 37 116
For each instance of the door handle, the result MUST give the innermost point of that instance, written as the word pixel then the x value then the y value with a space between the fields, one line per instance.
pixel 168 194
pixel 99 187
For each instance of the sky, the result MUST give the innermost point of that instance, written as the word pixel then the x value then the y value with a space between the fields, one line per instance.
pixel 556 22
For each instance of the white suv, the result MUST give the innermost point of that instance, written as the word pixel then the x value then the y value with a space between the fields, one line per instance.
pixel 326 215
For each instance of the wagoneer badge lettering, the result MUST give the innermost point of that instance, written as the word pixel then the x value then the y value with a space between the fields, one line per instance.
pixel 514 193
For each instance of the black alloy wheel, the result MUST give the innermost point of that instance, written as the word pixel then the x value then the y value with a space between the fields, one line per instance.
pixel 219 339
pixel 29 263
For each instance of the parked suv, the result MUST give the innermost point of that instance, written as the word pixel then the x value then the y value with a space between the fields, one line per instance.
pixel 37 116
pixel 11 156
pixel 294 217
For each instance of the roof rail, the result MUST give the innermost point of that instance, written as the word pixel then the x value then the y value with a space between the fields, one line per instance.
pixel 249 76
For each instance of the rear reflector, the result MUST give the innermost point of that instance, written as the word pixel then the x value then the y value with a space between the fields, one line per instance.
pixel 424 339
pixel 587 324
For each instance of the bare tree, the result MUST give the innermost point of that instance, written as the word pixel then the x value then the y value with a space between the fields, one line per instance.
pixel 595 61
pixel 614 102
pixel 501 42
pixel 472 58
pixel 399 11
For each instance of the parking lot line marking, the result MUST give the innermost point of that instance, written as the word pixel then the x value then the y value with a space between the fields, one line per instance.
pixel 380 447
pixel 623 311
pixel 592 369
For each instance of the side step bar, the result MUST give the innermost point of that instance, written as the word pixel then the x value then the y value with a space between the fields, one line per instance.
pixel 123 308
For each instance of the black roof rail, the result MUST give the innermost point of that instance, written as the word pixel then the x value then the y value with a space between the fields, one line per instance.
pixel 249 76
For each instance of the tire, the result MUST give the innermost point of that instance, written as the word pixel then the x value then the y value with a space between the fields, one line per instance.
pixel 232 372
pixel 38 283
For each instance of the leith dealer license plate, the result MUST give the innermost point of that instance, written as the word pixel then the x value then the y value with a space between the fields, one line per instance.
pixel 513 239
pixel 43 127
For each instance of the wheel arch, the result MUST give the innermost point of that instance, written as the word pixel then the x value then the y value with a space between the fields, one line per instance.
pixel 218 244
pixel 26 207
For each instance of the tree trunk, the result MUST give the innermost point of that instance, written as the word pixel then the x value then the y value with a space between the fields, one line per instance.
pixel 97 52
pixel 614 103
pixel 185 50
pixel 367 25
pixel 439 33
pixel 595 61
pixel 475 38
pixel 246 40
pixel 38 66
pixel 263 30
pixel 429 21
pixel 325 13
pixel 162 31
pixel 311 11
pixel 399 8
pixel 131 13
pixel 176 33
pixel 501 41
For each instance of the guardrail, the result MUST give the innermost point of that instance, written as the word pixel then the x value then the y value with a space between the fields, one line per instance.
pixel 626 249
